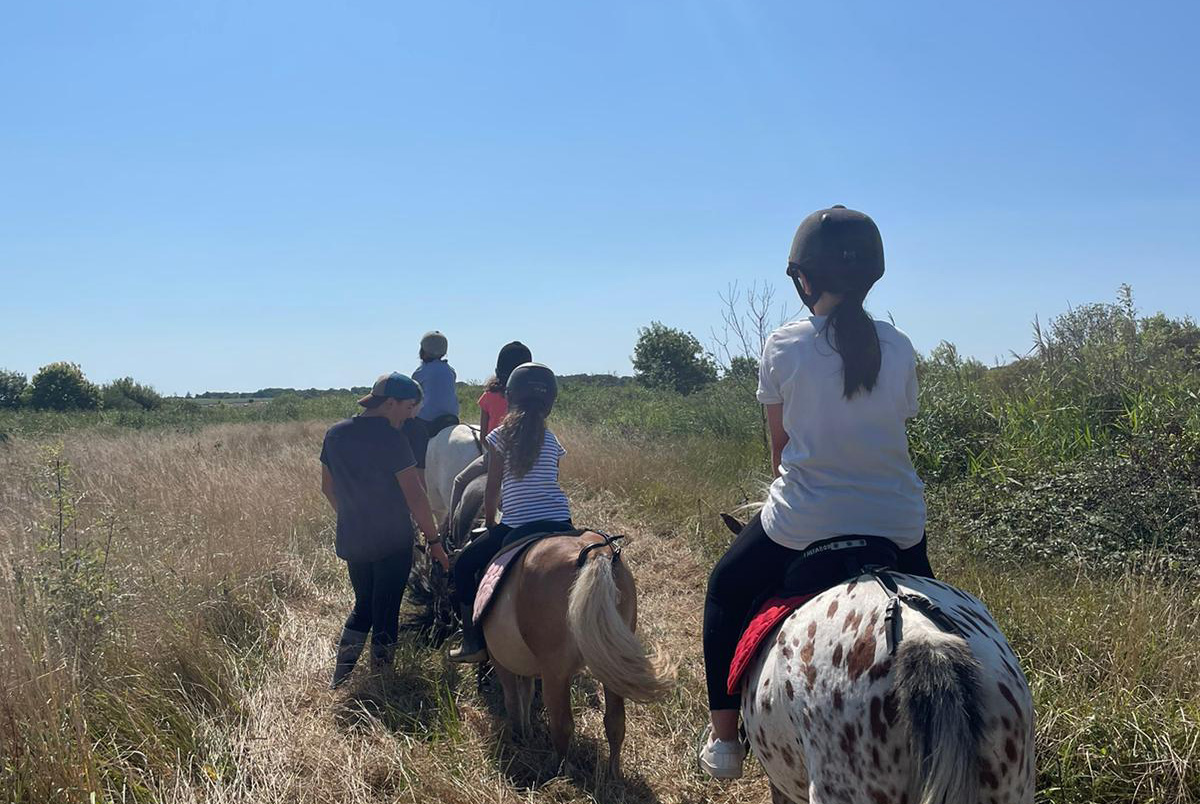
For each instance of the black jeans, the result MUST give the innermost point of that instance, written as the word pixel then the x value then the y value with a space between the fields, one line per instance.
pixel 378 591
pixel 473 560
pixel 753 567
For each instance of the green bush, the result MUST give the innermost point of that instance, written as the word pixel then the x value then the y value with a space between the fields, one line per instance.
pixel 62 386
pixel 125 394
pixel 673 359
pixel 12 388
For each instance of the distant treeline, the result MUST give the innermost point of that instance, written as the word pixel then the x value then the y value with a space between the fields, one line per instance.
pixel 604 380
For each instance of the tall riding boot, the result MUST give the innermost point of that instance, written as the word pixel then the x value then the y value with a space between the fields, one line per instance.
pixel 473 648
pixel 349 648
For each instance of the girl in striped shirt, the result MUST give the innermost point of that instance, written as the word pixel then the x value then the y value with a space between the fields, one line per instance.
pixel 522 482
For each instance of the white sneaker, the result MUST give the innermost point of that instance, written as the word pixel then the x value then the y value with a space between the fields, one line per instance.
pixel 721 759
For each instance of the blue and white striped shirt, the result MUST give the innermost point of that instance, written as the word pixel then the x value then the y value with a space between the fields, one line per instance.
pixel 537 495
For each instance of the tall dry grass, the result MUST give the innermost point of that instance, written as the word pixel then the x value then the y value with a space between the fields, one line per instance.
pixel 203 678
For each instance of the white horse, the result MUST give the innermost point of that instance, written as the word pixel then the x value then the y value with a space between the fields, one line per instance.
pixel 449 452
pixel 910 695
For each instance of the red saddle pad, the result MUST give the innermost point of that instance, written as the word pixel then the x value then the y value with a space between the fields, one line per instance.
pixel 772 613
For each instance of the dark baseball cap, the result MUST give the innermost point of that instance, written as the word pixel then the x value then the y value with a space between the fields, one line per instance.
pixel 394 385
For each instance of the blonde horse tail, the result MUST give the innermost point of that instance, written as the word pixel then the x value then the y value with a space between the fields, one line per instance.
pixel 938 692
pixel 609 646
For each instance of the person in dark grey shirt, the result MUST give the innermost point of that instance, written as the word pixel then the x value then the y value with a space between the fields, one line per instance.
pixel 369 477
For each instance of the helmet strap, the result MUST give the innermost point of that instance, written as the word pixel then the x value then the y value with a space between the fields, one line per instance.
pixel 810 299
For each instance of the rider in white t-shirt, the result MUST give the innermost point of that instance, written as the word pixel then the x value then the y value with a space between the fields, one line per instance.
pixel 838 388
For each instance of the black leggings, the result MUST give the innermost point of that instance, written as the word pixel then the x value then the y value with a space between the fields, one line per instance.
pixel 378 591
pixel 752 567
pixel 473 560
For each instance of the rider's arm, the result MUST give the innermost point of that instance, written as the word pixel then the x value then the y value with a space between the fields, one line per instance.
pixel 418 504
pixel 779 436
pixel 327 487
pixel 491 497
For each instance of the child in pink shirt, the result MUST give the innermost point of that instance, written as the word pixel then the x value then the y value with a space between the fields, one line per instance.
pixel 493 406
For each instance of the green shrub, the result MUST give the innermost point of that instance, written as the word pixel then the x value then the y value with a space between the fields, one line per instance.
pixel 125 394
pixel 62 386
pixel 12 388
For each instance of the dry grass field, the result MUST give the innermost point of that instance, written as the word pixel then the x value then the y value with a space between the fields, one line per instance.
pixel 170 601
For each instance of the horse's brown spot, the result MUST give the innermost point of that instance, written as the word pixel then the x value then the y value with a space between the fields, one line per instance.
pixel 765 703
pixel 1010 750
pixel 879 797
pixel 987 775
pixel 789 689
pixel 1008 696
pixel 878 728
pixel 848 740
pixel 875 758
pixel 1003 769
pixel 1007 723
pixel 891 709
pixel 789 759
pixel 837 700
pixel 862 654
pixel 852 622
pixel 832 610
pixel 807 653
pixel 810 675
pixel 896 755
pixel 837 655
pixel 880 669
pixel 850 588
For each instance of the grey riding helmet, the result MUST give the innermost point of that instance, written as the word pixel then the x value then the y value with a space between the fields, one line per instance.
pixel 839 250
pixel 530 382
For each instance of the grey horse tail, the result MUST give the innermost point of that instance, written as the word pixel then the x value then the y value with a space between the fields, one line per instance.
pixel 939 701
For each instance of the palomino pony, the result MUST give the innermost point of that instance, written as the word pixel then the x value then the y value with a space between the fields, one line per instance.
pixel 903 695
pixel 552 617
pixel 449 452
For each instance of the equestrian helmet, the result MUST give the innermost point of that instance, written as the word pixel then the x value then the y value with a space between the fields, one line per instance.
pixel 839 250
pixel 531 382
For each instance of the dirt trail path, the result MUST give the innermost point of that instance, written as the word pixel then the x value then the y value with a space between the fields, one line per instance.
pixel 428 734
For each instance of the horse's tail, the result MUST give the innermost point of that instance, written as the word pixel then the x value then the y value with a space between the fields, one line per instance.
pixel 937 687
pixel 609 646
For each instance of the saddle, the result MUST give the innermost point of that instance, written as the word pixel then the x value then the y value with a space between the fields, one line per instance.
pixel 822 566
pixel 497 569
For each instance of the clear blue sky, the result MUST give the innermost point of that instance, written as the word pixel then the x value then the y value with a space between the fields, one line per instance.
pixel 222 195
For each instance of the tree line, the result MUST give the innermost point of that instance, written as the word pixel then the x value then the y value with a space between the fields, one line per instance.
pixel 63 386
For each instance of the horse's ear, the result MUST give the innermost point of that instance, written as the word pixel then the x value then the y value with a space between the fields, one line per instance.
pixel 732 522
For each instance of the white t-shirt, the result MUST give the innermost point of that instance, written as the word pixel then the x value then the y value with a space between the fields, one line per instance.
pixel 845 469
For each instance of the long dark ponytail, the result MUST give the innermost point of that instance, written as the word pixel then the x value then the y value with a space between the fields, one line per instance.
pixel 857 341
pixel 524 433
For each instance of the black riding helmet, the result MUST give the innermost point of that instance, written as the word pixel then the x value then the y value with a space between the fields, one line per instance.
pixel 511 355
pixel 532 381
pixel 839 250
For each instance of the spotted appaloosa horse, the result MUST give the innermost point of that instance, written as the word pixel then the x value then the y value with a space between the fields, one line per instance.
pixel 835 716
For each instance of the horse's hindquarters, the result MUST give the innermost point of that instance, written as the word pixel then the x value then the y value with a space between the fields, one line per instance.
pixel 502 630
pixel 824 706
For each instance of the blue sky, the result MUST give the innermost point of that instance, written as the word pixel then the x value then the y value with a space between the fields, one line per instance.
pixel 235 195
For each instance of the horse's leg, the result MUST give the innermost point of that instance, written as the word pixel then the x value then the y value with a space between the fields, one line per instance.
pixel 526 693
pixel 779 797
pixel 614 730
pixel 556 694
pixel 518 721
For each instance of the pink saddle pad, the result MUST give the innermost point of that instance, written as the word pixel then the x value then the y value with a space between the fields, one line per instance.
pixel 494 575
